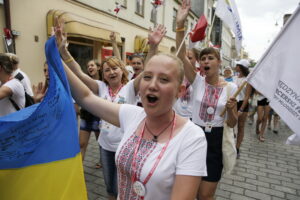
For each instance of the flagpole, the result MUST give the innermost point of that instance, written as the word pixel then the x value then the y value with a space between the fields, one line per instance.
pixel 234 96
pixel 183 40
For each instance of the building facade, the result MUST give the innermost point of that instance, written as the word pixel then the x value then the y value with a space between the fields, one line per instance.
pixel 88 24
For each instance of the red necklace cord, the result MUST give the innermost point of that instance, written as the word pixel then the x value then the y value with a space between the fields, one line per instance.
pixel 134 178
pixel 113 94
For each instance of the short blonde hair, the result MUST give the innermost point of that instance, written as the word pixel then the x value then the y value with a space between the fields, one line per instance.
pixel 179 65
pixel 8 62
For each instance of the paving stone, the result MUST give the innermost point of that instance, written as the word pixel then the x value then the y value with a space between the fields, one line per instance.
pixel 231 188
pixel 257 195
pixel 258 183
pixel 282 178
pixel 247 175
pixel 240 197
pixel 258 173
pixel 271 192
pixel 280 169
pixel 277 198
pixel 284 189
pixel 226 181
pixel 235 177
pixel 245 185
pixel 221 198
pixel 223 193
pixel 292 197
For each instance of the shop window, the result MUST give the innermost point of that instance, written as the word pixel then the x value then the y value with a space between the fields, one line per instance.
pixel 140 7
pixel 81 52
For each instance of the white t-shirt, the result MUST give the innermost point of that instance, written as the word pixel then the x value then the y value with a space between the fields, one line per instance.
pixel 184 105
pixel 205 96
pixel 6 107
pixel 25 81
pixel 239 81
pixel 185 155
pixel 111 135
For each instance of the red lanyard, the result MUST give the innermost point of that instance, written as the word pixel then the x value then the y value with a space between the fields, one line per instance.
pixel 113 95
pixel 134 178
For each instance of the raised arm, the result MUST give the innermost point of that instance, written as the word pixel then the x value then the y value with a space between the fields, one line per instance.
pixel 69 60
pixel 154 38
pixel 90 102
pixel 115 45
pixel 182 14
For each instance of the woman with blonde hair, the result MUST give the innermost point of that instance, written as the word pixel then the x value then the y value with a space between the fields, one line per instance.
pixel 12 93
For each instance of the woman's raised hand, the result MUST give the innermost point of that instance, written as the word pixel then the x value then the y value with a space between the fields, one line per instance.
pixel 112 36
pixel 61 38
pixel 39 91
pixel 156 35
pixel 183 12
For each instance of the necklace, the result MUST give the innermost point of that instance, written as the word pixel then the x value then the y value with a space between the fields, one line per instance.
pixel 113 94
pixel 155 136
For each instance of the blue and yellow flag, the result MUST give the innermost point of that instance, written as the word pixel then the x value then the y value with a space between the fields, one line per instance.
pixel 39 150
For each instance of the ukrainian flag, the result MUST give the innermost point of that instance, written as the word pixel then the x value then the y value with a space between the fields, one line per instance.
pixel 39 150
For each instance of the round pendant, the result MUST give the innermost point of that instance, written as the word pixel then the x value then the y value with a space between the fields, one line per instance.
pixel 139 188
pixel 210 110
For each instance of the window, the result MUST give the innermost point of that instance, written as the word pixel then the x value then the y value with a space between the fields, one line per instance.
pixel 174 20
pixel 123 3
pixel 139 7
pixel 153 16
pixel 81 50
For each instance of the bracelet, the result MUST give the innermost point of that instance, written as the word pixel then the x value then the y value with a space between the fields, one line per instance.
pixel 69 60
pixel 180 29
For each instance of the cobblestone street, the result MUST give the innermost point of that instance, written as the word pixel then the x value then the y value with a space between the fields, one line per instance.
pixel 267 171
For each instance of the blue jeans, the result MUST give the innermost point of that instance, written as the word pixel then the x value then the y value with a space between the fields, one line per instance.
pixel 107 159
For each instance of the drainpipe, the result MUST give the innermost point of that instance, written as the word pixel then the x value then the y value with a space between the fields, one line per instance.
pixel 6 3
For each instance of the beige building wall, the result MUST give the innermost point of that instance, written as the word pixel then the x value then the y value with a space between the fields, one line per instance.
pixel 29 18
pixel 2 25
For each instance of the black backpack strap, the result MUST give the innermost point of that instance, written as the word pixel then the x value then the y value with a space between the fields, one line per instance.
pixel 19 76
pixel 14 104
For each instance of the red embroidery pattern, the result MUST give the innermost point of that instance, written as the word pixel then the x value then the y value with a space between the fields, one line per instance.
pixel 209 100
pixel 124 165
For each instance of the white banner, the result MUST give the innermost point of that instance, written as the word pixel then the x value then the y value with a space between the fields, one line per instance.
pixel 277 74
pixel 227 11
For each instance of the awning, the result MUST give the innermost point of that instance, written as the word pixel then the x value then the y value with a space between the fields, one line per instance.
pixel 77 26
pixel 141 45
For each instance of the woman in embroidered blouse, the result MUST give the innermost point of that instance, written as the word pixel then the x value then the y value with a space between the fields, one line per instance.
pixel 161 155
pixel 209 100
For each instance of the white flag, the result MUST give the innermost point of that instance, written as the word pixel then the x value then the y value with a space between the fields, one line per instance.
pixel 227 11
pixel 277 74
